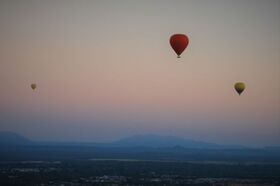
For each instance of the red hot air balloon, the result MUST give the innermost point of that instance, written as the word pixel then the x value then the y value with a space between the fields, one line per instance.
pixel 179 43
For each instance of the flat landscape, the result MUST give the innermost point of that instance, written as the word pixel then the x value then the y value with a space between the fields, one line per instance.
pixel 89 165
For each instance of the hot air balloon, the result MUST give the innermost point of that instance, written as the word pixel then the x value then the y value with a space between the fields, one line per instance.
pixel 33 86
pixel 179 43
pixel 239 87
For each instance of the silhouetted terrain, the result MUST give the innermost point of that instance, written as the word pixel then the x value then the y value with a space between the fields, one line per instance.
pixel 167 141
pixel 145 147
pixel 156 141
pixel 131 162
pixel 10 139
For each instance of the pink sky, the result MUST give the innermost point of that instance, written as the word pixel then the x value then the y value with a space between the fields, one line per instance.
pixel 105 70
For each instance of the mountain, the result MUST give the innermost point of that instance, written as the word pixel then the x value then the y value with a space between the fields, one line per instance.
pixel 162 141
pixel 151 141
pixel 13 139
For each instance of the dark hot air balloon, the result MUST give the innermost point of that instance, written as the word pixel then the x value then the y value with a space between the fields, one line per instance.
pixel 33 86
pixel 179 43
pixel 239 87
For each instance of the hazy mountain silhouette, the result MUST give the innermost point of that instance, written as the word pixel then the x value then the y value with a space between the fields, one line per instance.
pixel 155 141
pixel 11 138
pixel 166 141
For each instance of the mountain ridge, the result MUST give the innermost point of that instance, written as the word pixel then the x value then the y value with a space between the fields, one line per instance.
pixel 158 141
pixel 145 140
pixel 8 138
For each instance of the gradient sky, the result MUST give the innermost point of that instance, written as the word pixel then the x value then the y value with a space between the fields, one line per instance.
pixel 105 70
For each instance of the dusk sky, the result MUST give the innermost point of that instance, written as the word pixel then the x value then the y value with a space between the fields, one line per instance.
pixel 105 70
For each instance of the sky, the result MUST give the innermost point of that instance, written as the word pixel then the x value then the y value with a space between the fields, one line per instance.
pixel 105 70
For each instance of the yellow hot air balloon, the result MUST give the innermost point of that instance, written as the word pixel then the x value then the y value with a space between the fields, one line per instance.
pixel 239 87
pixel 33 86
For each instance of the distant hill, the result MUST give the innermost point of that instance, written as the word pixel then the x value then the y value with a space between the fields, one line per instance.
pixel 151 141
pixel 166 141
pixel 11 139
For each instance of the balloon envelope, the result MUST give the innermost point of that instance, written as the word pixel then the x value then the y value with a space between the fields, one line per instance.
pixel 179 43
pixel 33 86
pixel 239 87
